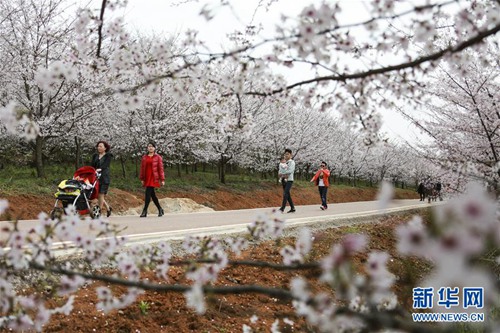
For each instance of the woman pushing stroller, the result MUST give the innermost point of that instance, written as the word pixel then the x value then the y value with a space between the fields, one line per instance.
pixel 101 161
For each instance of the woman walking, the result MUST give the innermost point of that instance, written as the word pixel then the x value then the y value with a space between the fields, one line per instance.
pixel 321 180
pixel 101 161
pixel 151 176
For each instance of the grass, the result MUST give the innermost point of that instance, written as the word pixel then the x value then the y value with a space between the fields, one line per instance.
pixel 144 307
pixel 353 229
pixel 23 180
pixel 14 180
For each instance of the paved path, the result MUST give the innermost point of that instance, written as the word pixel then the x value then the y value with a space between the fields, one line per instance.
pixel 177 226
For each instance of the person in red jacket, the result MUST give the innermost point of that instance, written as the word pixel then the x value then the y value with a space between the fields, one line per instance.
pixel 321 180
pixel 151 176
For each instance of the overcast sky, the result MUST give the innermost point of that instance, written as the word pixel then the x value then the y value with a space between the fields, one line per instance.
pixel 170 16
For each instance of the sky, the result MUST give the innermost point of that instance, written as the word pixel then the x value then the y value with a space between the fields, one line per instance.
pixel 177 16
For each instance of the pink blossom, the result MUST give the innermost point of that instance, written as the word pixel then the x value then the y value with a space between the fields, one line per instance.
pixel 299 289
pixel 22 322
pixel 413 239
pixel 353 243
pixel 237 244
pixel 4 204
pixel 70 284
pixel 195 299
pixel 385 195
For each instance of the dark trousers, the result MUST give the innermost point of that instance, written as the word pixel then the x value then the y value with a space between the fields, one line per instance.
pixel 287 186
pixel 150 194
pixel 323 190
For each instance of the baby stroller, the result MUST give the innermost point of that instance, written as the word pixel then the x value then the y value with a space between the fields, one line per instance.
pixel 78 192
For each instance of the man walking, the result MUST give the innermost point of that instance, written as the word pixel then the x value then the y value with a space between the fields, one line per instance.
pixel 287 186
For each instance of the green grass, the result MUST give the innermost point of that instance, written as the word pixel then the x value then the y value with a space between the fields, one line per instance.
pixel 353 229
pixel 23 180
pixel 144 307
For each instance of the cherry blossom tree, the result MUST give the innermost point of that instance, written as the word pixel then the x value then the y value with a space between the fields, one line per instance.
pixel 462 119
pixel 368 77
pixel 389 162
pixel 350 73
pixel 34 53
pixel 346 148
pixel 308 132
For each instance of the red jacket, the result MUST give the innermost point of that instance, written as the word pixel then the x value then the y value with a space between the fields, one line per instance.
pixel 158 172
pixel 326 174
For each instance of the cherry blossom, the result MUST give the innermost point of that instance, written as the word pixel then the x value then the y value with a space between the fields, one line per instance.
pixel 195 299
pixel 232 107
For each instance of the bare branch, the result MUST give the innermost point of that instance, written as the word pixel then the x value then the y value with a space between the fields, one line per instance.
pixel 99 29
pixel 247 289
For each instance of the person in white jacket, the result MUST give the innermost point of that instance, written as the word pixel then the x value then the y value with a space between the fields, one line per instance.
pixel 287 186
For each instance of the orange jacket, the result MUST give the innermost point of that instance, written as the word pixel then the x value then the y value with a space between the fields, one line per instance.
pixel 326 174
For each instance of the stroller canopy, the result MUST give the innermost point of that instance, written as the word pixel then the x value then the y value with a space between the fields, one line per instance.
pixel 87 173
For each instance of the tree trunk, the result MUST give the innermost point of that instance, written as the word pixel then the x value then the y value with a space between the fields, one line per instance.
pixel 136 168
pixel 179 170
pixel 78 153
pixel 222 169
pixel 39 142
pixel 122 162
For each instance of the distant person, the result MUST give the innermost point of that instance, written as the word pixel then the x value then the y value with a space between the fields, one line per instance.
pixel 283 167
pixel 429 189
pixel 152 176
pixel 287 185
pixel 438 188
pixel 101 161
pixel 421 191
pixel 321 180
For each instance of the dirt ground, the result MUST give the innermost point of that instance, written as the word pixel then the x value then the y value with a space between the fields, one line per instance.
pixel 26 206
pixel 167 312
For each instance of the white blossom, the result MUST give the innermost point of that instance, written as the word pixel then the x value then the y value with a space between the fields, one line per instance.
pixel 4 204
pixel 195 299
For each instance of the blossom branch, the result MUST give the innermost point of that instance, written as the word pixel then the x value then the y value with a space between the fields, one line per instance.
pixel 250 263
pixel 249 289
pixel 382 70
pixel 99 29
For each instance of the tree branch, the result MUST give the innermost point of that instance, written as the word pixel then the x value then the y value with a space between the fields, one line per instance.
pixel 382 70
pixel 261 264
pixel 247 289
pixel 99 29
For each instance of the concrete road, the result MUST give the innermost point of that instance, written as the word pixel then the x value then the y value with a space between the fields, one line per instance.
pixel 177 226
